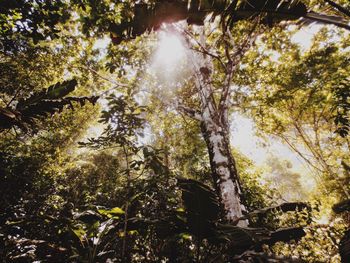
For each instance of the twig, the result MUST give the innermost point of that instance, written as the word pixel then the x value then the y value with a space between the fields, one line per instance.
pixel 13 98
pixel 105 78
pixel 190 112
pixel 204 50
pixel 338 7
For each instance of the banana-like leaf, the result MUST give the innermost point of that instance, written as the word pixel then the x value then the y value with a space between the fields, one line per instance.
pixel 240 238
pixel 285 235
pixel 245 237
pixel 202 207
pixel 199 200
pixel 339 8
pixel 149 17
pixel 87 216
pixel 56 91
pixel 202 210
pixel 200 218
pixel 8 118
pixel 327 19
pixel 41 105
pixel 284 207
pixel 342 206
pixel 170 226
pixel 274 10
pixel 45 107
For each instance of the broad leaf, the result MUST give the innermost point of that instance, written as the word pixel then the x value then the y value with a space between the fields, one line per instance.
pixel 56 91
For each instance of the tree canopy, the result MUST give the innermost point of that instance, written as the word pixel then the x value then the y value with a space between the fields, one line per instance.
pixel 117 123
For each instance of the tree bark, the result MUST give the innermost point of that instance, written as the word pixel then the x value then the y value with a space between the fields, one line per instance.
pixel 213 117
pixel 224 171
pixel 215 131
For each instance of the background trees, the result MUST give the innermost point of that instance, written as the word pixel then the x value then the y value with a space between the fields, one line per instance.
pixel 125 197
pixel 305 110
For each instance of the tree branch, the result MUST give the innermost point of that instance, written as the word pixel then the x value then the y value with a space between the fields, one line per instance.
pixel 105 78
pixel 204 50
pixel 233 63
pixel 190 112
pixel 338 7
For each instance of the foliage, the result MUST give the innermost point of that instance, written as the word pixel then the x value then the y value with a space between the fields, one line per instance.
pixel 200 219
pixel 344 244
pixel 123 123
pixel 150 17
pixel 141 189
pixel 30 21
pixel 342 105
pixel 40 105
pixel 298 102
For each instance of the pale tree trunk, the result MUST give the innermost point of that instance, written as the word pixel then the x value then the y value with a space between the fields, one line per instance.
pixel 213 117
pixel 224 170
pixel 215 131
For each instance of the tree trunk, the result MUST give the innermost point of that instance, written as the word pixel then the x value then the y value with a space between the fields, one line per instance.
pixel 213 117
pixel 215 130
pixel 224 170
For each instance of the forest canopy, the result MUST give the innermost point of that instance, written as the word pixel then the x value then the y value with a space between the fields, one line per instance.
pixel 174 131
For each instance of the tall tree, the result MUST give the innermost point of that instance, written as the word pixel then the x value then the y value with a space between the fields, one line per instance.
pixel 213 94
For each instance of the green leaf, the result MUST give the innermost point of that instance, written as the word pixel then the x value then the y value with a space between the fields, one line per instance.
pixel 117 210
pixel 185 236
pixel 111 212
pixel 56 91
pixel 87 216
pixel 80 233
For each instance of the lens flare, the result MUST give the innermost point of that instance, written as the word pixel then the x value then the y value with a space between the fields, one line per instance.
pixel 170 50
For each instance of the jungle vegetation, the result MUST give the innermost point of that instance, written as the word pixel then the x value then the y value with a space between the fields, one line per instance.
pixel 118 120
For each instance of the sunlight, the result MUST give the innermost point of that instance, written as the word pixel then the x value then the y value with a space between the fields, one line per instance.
pixel 168 65
pixel 170 50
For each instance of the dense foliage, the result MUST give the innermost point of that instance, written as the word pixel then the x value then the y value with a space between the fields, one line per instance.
pixel 103 157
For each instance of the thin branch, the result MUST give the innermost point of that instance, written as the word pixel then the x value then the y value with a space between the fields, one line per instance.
pixel 107 91
pixel 204 50
pixel 105 78
pixel 299 153
pixel 13 98
pixel 338 7
pixel 190 112
pixel 233 63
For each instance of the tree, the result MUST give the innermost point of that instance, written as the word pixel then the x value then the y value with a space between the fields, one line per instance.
pixel 129 200
pixel 213 117
pixel 298 102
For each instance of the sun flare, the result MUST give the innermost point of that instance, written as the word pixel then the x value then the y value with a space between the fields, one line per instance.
pixel 170 50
